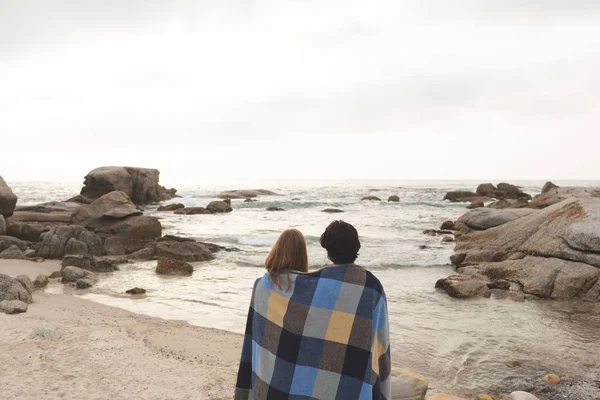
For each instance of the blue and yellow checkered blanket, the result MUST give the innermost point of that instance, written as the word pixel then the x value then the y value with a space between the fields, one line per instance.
pixel 324 336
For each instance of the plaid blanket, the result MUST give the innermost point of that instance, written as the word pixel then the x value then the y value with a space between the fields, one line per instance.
pixel 325 337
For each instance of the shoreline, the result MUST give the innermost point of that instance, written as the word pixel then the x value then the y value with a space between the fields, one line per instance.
pixel 66 347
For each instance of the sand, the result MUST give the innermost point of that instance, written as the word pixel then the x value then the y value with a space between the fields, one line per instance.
pixel 65 347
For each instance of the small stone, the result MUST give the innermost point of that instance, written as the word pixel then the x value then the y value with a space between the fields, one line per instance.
pixel 448 239
pixel 275 209
pixel 136 290
pixel 55 274
pixel 447 226
pixel 552 378
pixel 485 397
pixel 394 199
pixel 40 282
pixel 26 282
pixel 84 283
pixel 169 266
pixel 521 396
pixel 39 260
pixel 13 306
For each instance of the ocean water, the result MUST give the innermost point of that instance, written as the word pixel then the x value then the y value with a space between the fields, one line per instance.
pixel 463 347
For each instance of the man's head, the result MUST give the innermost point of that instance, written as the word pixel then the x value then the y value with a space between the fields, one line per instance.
pixel 340 239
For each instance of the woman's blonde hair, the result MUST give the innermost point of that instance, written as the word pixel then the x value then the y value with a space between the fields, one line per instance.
pixel 289 253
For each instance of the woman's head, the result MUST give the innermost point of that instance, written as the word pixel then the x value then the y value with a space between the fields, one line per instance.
pixel 288 253
pixel 340 239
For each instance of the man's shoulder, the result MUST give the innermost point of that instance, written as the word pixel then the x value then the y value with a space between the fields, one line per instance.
pixel 352 273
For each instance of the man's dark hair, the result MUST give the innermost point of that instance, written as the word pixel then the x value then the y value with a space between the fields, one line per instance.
pixel 340 239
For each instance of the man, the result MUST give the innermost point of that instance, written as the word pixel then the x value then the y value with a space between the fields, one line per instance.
pixel 325 337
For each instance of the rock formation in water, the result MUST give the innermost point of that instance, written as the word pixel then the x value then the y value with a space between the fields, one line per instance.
pixel 549 253
pixel 8 200
pixel 139 184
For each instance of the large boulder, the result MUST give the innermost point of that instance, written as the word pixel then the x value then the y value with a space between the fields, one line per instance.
pixel 408 385
pixel 90 263
pixel 73 239
pixel 26 283
pixel 502 204
pixel 219 207
pixel 169 266
pixel 12 253
pixel 8 200
pixel 463 196
pixel 8 241
pixel 41 281
pixel 548 186
pixel 509 191
pixel 111 206
pixel 464 286
pixel 485 218
pixel 12 289
pixel 13 306
pixel 556 195
pixel 141 227
pixel 2 225
pixel 394 198
pixel 140 184
pixel 183 251
pixel 486 189
pixel 51 207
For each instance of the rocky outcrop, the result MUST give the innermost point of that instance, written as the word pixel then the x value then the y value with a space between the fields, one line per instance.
pixel 548 186
pixel 394 198
pixel 476 204
pixel 66 240
pixel 139 184
pixel 501 204
pixel 371 198
pixel 13 307
pixel 245 194
pixel 463 196
pixel 12 253
pixel 557 195
pixel 12 289
pixel 111 206
pixel 169 266
pixel 183 251
pixel 8 241
pixel 170 207
pixel 551 253
pixel 8 200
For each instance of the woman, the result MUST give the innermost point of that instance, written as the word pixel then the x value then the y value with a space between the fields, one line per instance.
pixel 321 335
pixel 287 255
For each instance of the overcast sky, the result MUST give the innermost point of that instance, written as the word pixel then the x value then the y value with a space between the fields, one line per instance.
pixel 215 90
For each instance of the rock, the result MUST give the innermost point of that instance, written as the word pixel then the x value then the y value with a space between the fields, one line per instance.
pixel 499 284
pixel 464 286
pixel 332 211
pixel 275 209
pixel 509 191
pixel 136 290
pixel 8 200
pixel 12 253
pixel 8 241
pixel 447 226
pixel 460 195
pixel 245 194
pixel 169 266
pixel 486 189
pixel 30 253
pixel 83 261
pixel 552 379
pixel 139 227
pixel 521 396
pixel 139 184
pixel 173 238
pixel 113 205
pixel 75 247
pixel 143 254
pixel 25 282
pixel 93 243
pixel 52 207
pixel 55 274
pixel 394 198
pixel 448 239
pixel 170 207
pixel 371 198
pixel 484 218
pixel 84 283
pixel 219 206
pixel 249 200
pixel 114 245
pixel 484 397
pixel 12 289
pixel 457 258
pixel 13 306
pixel 408 385
pixel 2 225
pixel 183 251
pixel 502 204
pixel 476 204
pixel 192 211
pixel 548 186
pixel 554 196
pixel 40 282
pixel 73 274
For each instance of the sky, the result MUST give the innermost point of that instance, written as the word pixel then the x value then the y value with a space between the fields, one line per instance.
pixel 209 91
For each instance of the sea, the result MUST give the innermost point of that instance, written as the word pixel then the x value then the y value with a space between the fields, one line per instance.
pixel 462 346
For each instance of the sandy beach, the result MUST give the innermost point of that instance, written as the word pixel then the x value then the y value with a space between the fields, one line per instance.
pixel 65 347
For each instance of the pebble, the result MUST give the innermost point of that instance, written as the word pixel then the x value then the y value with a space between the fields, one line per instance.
pixel 552 378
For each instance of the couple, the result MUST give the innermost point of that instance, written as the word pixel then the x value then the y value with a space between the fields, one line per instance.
pixel 316 335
